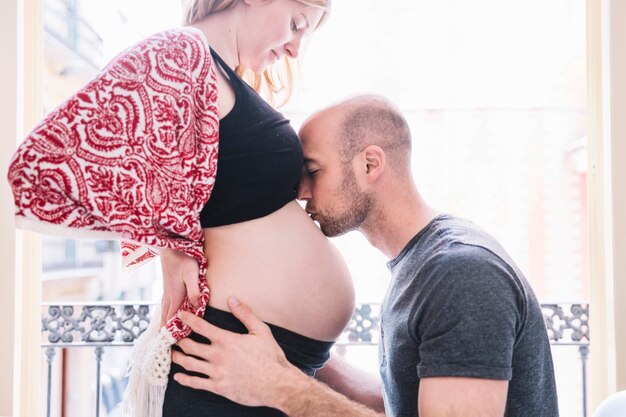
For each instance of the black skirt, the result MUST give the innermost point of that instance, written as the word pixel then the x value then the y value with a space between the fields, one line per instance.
pixel 305 353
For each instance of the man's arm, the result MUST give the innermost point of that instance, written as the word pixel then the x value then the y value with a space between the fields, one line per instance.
pixel 461 397
pixel 352 382
pixel 251 369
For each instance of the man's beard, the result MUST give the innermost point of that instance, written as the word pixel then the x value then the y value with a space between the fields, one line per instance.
pixel 352 209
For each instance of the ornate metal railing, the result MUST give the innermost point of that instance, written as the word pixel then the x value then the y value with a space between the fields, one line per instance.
pixel 94 324
pixel 101 325
pixel 568 324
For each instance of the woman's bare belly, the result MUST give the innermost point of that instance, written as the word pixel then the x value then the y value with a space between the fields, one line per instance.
pixel 285 269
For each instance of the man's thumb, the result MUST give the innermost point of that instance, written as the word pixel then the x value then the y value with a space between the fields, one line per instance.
pixel 246 316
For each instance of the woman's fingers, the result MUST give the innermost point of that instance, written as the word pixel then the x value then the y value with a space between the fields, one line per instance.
pixel 165 305
pixel 192 285
pixel 176 296
pixel 180 276
pixel 180 279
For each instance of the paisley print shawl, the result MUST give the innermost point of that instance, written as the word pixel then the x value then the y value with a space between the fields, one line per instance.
pixel 132 155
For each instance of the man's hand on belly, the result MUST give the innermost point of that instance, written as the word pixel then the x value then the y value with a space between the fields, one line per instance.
pixel 251 369
pixel 248 369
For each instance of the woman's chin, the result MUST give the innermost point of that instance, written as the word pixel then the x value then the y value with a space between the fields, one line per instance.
pixel 262 66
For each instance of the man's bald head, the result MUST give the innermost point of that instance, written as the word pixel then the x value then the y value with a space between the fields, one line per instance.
pixel 373 120
pixel 347 148
pixel 353 124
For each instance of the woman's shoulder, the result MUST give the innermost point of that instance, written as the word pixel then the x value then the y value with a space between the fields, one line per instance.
pixel 178 37
pixel 183 50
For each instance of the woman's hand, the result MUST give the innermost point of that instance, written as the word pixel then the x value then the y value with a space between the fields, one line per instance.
pixel 180 279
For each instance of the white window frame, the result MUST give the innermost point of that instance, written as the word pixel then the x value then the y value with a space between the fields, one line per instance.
pixel 20 312
pixel 20 43
pixel 606 75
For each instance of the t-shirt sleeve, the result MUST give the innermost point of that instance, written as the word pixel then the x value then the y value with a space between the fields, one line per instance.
pixel 132 154
pixel 466 322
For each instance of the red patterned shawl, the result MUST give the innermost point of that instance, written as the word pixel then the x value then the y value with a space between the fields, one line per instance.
pixel 132 155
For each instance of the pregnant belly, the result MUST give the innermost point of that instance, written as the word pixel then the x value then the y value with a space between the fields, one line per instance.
pixel 284 268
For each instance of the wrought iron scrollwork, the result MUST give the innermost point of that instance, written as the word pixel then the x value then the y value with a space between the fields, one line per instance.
pixel 94 324
pixel 364 326
pixel 102 325
pixel 122 324
pixel 567 323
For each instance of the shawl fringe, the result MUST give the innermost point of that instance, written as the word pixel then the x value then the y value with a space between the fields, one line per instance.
pixel 148 370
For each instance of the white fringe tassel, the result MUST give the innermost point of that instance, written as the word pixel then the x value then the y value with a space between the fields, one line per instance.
pixel 148 370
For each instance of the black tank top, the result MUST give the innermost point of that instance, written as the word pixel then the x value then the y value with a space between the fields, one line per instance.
pixel 259 160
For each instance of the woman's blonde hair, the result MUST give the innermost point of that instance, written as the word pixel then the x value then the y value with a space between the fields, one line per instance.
pixel 277 80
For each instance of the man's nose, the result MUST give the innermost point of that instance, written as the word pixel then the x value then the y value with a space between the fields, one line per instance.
pixel 304 190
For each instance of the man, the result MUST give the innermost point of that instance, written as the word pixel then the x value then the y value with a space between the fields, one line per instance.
pixel 462 332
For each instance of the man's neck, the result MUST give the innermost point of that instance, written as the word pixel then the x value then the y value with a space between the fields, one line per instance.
pixel 395 222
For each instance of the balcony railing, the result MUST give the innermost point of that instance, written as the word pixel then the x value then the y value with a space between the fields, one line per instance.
pixel 102 326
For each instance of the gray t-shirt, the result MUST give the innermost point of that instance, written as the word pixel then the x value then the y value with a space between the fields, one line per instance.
pixel 458 306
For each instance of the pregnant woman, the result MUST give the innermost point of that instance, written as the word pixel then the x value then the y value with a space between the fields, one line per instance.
pixel 172 148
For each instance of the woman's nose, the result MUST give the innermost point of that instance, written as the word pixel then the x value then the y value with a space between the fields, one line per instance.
pixel 292 48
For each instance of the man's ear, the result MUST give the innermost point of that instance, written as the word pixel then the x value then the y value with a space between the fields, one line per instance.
pixel 375 162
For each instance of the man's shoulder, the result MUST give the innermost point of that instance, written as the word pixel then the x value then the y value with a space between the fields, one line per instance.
pixel 461 231
pixel 450 238
pixel 460 240
pixel 461 254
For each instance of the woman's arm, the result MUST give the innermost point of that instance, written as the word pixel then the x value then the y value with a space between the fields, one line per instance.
pixel 131 155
